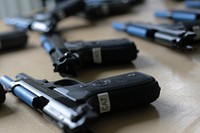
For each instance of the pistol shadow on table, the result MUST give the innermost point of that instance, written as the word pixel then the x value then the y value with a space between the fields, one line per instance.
pixel 5 111
pixel 69 28
pixel 196 54
pixel 92 72
pixel 113 122
pixel 23 49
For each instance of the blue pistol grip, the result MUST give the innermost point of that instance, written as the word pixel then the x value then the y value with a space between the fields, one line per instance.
pixel 183 16
pixel 192 3
pixel 19 23
pixel 137 31
pixel 45 44
pixel 176 15
pixel 131 29
pixel 162 14
pixel 119 26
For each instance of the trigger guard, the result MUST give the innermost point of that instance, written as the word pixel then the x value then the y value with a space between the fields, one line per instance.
pixel 67 82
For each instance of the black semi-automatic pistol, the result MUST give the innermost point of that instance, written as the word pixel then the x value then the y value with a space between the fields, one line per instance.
pixel 12 40
pixel 46 21
pixel 72 105
pixel 179 39
pixel 67 57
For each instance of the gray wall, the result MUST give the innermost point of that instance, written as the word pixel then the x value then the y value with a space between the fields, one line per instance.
pixel 11 8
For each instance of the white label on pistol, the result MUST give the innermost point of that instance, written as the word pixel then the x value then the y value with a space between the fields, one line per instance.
pixel 104 102
pixel 196 30
pixel 97 55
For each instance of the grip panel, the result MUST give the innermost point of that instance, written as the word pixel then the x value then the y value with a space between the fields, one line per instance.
pixel 118 92
pixel 104 52
pixel 13 40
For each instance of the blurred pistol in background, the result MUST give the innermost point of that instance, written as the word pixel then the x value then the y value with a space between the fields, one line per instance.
pixel 68 56
pixel 93 9
pixel 46 21
pixel 12 40
pixel 177 39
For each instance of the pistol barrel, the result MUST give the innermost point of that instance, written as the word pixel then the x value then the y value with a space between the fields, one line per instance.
pixel 179 15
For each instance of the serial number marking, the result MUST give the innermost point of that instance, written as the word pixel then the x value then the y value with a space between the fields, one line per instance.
pixel 97 55
pixel 196 30
pixel 104 102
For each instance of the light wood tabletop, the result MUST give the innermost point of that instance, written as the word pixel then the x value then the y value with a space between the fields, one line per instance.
pixel 177 109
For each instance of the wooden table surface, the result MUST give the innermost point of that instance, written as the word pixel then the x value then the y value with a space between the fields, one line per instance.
pixel 177 110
